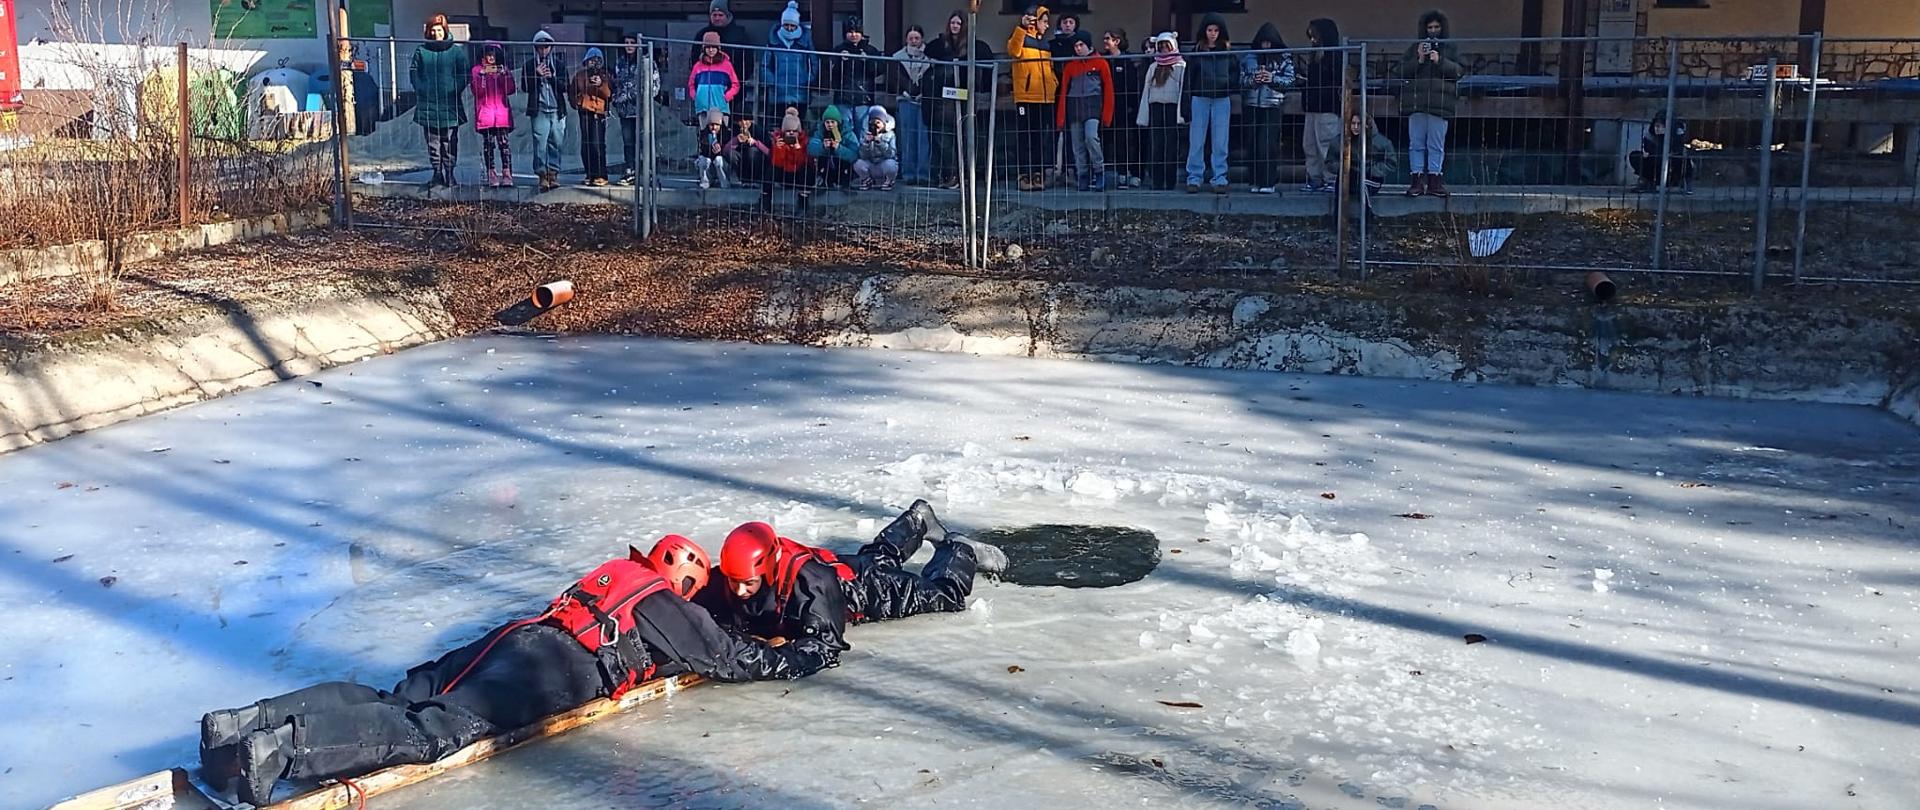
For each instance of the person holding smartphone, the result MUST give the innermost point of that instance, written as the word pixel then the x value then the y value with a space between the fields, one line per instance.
pixel 1432 69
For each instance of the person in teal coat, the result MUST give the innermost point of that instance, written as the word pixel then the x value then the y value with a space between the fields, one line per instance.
pixel 440 74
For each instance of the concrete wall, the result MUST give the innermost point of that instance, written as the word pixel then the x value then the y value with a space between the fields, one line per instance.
pixel 1845 18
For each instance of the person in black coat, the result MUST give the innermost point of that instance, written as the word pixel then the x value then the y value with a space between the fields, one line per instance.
pixel 771 586
pixel 1128 80
pixel 951 48
pixel 515 674
pixel 854 72
pixel 1320 77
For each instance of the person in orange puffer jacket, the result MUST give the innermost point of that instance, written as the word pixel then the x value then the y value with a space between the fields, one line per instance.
pixel 1035 86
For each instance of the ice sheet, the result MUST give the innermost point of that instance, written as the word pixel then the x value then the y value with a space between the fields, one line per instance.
pixel 1750 643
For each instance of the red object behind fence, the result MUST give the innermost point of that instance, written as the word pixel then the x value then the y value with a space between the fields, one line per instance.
pixel 9 58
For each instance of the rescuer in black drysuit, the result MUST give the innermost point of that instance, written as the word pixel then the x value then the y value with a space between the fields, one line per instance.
pixel 625 622
pixel 772 586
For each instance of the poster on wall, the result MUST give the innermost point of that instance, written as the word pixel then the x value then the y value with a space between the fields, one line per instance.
pixel 363 15
pixel 264 19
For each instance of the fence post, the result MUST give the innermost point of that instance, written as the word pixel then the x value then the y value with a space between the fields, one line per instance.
pixel 1766 177
pixel 965 156
pixel 644 79
pixel 1806 159
pixel 1660 201
pixel 1366 131
pixel 1346 164
pixel 342 209
pixel 993 125
pixel 184 149
pixel 645 176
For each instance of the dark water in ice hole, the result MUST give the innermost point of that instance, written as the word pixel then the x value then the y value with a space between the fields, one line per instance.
pixel 1074 556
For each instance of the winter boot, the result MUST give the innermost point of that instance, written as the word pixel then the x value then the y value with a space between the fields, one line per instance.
pixel 988 558
pixel 226 727
pixel 1419 185
pixel 1437 188
pixel 265 756
pixel 903 536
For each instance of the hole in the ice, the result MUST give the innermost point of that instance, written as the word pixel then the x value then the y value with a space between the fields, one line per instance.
pixel 1073 556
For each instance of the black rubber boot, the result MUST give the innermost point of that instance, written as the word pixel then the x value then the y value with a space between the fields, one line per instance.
pixel 902 537
pixel 223 727
pixel 264 758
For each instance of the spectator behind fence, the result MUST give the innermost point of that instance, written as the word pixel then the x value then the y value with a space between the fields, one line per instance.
pixel 792 162
pixel 951 48
pixel 852 73
pixel 1212 75
pixel 1160 111
pixel 440 75
pixel 1646 160
pixel 709 149
pixel 492 83
pixel 1266 73
pixel 1381 159
pixel 748 157
pixel 1432 70
pixel 788 71
pixel 548 85
pixel 592 89
pixel 918 85
pixel 1122 146
pixel 1034 90
pixel 712 84
pixel 1060 48
pixel 835 148
pixel 1085 106
pixel 1320 96
pixel 879 155
pixel 628 95
pixel 733 38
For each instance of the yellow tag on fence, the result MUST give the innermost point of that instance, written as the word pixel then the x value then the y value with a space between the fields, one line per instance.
pixel 954 93
pixel 9 121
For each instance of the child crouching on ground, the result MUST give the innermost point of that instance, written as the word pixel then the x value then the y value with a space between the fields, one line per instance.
pixel 708 159
pixel 879 152
pixel 1381 161
pixel 792 166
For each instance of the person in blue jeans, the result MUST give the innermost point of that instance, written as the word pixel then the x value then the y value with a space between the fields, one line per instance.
pixel 1213 73
pixel 546 81
pixel 919 85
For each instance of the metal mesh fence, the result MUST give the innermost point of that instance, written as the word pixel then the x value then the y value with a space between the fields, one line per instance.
pixel 1782 157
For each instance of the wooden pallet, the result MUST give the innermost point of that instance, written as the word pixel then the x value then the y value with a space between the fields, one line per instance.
pixel 172 789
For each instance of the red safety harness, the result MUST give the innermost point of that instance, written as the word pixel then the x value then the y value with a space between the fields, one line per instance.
pixel 786 571
pixel 598 612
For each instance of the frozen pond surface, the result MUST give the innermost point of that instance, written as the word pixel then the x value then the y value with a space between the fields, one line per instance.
pixel 1688 602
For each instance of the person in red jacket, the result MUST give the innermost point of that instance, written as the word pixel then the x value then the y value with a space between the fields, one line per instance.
pixel 626 621
pixel 770 586
pixel 1086 105
pixel 792 167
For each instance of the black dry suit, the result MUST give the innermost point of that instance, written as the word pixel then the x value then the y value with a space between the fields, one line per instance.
pixel 814 613
pixel 527 671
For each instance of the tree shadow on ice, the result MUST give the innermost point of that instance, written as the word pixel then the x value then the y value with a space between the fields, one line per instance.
pixel 1880 708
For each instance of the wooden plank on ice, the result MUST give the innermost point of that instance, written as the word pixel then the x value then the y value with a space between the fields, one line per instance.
pixel 166 790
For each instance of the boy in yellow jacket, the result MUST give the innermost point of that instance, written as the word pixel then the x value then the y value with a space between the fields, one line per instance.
pixel 1035 85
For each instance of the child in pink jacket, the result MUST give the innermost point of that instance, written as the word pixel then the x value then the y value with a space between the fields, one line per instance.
pixel 492 117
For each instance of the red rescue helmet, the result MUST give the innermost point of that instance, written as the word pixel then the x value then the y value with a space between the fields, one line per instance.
pixel 682 562
pixel 749 552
